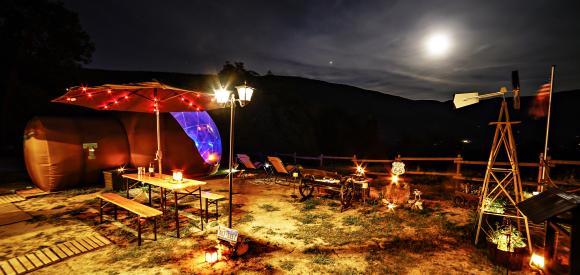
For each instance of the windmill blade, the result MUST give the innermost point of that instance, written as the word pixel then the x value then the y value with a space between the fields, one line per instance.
pixel 465 99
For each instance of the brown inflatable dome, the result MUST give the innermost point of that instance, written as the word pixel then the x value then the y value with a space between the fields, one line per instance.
pixel 55 158
pixel 179 151
pixel 54 154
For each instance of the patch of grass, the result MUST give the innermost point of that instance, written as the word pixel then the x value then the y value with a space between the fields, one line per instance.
pixel 346 271
pixel 351 220
pixel 257 228
pixel 310 218
pixel 246 218
pixel 322 259
pixel 310 204
pixel 333 204
pixel 287 265
pixel 269 208
pixel 213 224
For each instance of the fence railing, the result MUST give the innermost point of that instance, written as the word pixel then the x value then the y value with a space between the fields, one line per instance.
pixel 458 161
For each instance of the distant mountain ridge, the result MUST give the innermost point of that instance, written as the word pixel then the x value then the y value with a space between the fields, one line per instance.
pixel 294 114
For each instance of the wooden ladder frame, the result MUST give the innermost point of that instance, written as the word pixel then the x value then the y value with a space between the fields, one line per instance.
pixel 497 180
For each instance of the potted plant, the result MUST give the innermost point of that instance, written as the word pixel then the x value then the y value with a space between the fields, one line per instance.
pixel 506 247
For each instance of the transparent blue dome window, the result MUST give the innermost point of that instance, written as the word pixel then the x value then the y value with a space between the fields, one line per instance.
pixel 202 130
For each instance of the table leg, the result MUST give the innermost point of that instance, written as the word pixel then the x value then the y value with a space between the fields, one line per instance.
pixel 101 211
pixel 149 194
pixel 176 214
pixel 154 228
pixel 139 230
pixel 201 209
pixel 216 210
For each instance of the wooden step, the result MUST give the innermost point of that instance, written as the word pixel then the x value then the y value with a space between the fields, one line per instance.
pixel 47 256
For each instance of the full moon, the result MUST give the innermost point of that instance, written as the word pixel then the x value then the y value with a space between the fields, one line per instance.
pixel 438 44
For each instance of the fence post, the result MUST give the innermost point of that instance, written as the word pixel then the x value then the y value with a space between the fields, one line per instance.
pixel 458 161
pixel 321 160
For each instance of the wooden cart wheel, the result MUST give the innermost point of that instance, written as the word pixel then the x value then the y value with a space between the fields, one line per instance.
pixel 346 193
pixel 304 187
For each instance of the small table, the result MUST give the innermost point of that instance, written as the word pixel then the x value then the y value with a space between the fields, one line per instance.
pixel 164 182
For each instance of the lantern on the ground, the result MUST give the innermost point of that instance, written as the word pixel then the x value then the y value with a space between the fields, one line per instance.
pixel 178 175
pixel 211 255
pixel 537 261
pixel 295 174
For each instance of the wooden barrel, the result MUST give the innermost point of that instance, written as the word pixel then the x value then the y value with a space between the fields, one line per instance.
pixel 54 153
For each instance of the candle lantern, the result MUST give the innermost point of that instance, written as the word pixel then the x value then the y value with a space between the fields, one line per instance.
pixel 211 255
pixel 178 175
pixel 295 174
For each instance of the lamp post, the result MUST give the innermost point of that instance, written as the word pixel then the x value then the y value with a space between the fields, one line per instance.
pixel 225 97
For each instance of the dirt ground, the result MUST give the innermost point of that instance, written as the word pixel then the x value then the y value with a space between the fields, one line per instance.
pixel 285 235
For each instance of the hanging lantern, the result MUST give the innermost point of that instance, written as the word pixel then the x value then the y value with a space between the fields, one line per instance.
pixel 211 255
pixel 178 175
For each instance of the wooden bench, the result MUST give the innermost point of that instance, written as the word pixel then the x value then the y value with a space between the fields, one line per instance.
pixel 142 211
pixel 210 198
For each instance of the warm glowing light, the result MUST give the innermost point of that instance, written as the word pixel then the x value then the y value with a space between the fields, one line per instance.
pixel 537 261
pixel 197 109
pixel 190 104
pixel 222 95
pixel 121 169
pixel 295 174
pixel 116 102
pixel 211 157
pixel 466 141
pixel 108 91
pixel 360 170
pixel 178 175
pixel 84 89
pixel 106 107
pixel 126 97
pixel 438 44
pixel 245 92
pixel 211 255
pixel 90 95
pixel 183 99
pixel 395 179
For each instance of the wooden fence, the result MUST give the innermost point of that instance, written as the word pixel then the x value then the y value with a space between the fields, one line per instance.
pixel 458 161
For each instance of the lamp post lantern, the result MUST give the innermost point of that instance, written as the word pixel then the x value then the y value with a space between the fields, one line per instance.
pixel 226 97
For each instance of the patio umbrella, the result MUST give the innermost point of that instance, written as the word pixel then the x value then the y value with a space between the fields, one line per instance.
pixel 143 97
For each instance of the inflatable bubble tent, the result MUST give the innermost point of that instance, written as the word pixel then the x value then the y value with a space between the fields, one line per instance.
pixel 202 130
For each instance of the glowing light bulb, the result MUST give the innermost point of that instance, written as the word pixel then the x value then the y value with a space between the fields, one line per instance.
pixel 109 91
pixel 90 95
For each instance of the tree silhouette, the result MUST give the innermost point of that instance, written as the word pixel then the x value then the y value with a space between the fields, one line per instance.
pixel 39 38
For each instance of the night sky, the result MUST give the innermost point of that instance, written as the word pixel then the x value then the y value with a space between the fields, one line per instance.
pixel 377 45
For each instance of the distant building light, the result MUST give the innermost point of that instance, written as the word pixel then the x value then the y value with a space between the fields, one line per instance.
pixel 466 141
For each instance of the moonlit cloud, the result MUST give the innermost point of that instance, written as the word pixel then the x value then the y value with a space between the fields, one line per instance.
pixel 376 45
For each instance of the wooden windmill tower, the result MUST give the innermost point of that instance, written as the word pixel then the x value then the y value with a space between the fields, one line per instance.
pixel 500 183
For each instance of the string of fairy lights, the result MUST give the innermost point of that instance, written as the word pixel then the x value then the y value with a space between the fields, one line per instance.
pixel 91 93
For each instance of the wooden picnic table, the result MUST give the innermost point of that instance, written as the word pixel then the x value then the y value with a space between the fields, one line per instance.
pixel 166 183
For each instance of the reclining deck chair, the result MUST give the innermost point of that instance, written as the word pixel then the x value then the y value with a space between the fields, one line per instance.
pixel 248 165
pixel 280 169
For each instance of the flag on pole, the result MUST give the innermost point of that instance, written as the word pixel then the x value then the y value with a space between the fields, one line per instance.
pixel 539 108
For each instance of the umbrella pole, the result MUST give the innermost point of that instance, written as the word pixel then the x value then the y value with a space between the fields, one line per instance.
pixel 159 155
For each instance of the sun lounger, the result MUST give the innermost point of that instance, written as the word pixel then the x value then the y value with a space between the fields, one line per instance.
pixel 279 169
pixel 247 162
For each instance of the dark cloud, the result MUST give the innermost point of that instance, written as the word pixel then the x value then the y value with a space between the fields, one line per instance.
pixel 377 45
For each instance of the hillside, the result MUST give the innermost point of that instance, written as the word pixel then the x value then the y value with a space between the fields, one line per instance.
pixel 293 114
